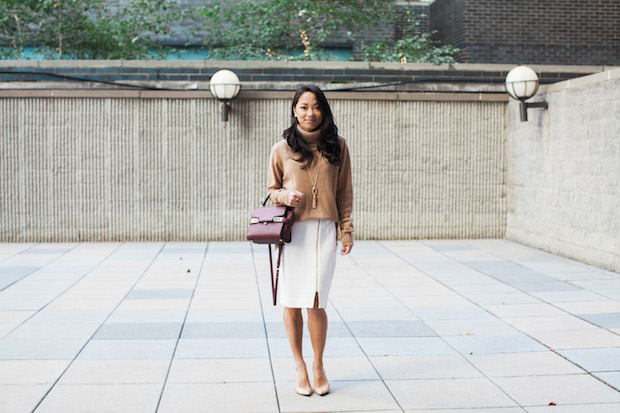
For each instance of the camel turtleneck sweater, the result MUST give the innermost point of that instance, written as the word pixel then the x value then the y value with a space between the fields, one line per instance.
pixel 334 185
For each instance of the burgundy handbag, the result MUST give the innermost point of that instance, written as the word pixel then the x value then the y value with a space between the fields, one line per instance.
pixel 272 225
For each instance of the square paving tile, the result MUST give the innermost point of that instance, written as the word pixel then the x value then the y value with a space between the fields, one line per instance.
pixel 449 394
pixel 219 397
pixel 551 323
pixel 561 390
pixel 524 310
pixel 222 348
pixel 388 328
pixel 470 327
pixel 405 346
pixel 578 408
pixel 523 364
pixel 607 320
pixel 116 372
pixel 147 316
pixel 56 331
pixel 493 344
pixel 611 378
pixel 138 331
pixel 223 330
pixel 595 359
pixel 144 294
pixel 31 371
pixel 40 349
pixel 424 367
pixel 220 371
pixel 128 350
pixel 21 398
pixel 130 398
pixel 576 339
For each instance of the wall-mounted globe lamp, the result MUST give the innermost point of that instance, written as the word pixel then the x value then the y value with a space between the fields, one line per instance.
pixel 522 84
pixel 225 86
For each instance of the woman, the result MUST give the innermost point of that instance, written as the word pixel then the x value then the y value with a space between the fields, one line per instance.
pixel 310 170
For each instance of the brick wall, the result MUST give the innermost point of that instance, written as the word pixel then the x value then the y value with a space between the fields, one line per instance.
pixel 574 32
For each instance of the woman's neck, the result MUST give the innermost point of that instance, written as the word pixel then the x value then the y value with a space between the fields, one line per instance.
pixel 313 138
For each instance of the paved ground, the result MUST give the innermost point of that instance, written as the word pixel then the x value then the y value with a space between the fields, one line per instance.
pixel 483 325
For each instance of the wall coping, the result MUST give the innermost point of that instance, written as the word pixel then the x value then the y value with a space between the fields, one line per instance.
pixel 258 64
pixel 249 94
pixel 581 81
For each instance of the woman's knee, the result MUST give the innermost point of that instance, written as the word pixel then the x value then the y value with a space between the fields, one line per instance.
pixel 316 314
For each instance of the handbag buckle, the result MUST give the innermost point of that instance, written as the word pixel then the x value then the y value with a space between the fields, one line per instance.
pixel 278 219
pixel 254 221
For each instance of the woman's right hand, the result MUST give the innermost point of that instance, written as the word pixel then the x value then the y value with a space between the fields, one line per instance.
pixel 294 198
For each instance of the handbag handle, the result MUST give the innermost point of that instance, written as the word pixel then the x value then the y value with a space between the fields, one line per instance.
pixel 266 199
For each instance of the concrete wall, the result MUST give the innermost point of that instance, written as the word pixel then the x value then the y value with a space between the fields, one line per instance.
pixel 564 171
pixel 129 165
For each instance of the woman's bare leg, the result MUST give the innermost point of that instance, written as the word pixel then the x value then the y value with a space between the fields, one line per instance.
pixel 294 324
pixel 317 326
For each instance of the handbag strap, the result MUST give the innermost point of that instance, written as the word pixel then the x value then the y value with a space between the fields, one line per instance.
pixel 274 282
pixel 266 199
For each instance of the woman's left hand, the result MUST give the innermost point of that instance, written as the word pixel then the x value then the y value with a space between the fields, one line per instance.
pixel 346 248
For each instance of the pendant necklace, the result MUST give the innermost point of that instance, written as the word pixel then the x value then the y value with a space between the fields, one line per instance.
pixel 315 181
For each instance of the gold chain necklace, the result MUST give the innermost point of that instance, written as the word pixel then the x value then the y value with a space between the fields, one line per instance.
pixel 315 182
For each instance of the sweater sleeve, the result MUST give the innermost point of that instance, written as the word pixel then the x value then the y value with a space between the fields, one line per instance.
pixel 277 194
pixel 344 198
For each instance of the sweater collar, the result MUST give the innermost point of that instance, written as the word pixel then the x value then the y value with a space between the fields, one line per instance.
pixel 313 138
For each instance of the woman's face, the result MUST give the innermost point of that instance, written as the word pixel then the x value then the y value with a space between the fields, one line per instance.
pixel 307 112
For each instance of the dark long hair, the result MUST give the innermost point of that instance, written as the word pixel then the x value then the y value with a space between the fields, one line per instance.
pixel 328 143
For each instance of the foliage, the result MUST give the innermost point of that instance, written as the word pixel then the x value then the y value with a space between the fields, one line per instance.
pixel 240 29
pixel 273 29
pixel 415 46
pixel 84 29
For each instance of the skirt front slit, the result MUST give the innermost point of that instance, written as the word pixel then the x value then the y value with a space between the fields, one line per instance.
pixel 308 264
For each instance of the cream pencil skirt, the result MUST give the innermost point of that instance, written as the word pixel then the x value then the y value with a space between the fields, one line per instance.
pixel 308 264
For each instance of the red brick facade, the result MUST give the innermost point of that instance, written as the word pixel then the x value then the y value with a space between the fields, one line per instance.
pixel 559 32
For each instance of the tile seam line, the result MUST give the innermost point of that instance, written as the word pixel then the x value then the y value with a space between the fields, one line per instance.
pixel 369 361
pixel 38 269
pixel 34 244
pixel 524 292
pixel 533 296
pixel 176 346
pixel 438 335
pixel 262 313
pixel 102 323
pixel 66 289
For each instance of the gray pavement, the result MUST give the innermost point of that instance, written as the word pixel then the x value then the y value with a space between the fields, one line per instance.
pixel 438 325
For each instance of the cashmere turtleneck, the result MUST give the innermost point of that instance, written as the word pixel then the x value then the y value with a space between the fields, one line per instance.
pixel 335 189
pixel 312 138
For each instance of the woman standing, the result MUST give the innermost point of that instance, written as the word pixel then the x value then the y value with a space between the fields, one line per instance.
pixel 311 171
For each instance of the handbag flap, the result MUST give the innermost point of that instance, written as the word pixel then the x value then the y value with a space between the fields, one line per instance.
pixel 267 214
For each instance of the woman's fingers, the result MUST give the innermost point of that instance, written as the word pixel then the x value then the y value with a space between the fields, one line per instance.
pixel 294 198
pixel 346 249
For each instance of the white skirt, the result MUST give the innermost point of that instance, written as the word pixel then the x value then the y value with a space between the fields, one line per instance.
pixel 308 264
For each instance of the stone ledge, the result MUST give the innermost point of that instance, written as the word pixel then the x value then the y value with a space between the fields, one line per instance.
pixel 250 94
pixel 612 73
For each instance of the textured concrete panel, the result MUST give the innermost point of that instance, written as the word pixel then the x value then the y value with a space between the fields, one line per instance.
pixel 564 172
pixel 109 169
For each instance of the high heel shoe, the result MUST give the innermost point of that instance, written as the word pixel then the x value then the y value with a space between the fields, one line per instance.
pixel 304 392
pixel 302 376
pixel 324 389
